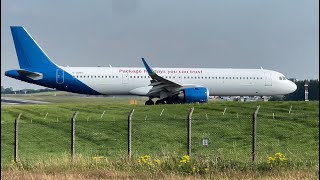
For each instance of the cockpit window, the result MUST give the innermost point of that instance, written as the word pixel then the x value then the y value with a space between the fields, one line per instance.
pixel 282 78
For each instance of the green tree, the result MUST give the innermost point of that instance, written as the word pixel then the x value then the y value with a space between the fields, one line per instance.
pixel 298 95
pixel 8 90
pixel 313 89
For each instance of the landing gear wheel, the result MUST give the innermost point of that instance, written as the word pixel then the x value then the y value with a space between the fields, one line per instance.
pixel 160 102
pixel 149 102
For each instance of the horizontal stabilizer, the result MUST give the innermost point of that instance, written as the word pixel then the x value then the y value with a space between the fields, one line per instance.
pixel 30 74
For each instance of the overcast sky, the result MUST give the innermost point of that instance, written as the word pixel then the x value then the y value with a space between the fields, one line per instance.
pixel 282 35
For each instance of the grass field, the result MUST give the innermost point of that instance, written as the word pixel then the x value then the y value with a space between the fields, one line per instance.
pixel 45 134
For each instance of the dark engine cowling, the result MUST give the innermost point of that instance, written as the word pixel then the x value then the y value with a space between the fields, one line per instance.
pixel 194 94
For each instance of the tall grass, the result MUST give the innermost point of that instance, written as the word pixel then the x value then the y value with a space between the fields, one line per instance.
pixel 45 139
pixel 168 167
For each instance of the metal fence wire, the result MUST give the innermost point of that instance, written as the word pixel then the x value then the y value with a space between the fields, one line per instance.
pixel 226 136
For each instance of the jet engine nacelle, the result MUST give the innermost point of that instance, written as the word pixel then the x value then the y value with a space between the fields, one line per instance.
pixel 194 94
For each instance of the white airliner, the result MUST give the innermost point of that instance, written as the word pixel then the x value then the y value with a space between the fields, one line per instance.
pixel 169 85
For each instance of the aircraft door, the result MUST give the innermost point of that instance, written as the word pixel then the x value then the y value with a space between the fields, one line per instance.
pixel 268 79
pixel 60 76
pixel 125 78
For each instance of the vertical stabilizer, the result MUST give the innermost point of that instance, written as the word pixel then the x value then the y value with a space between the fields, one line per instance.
pixel 30 54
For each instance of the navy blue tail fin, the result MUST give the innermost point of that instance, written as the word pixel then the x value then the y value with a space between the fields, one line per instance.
pixel 30 55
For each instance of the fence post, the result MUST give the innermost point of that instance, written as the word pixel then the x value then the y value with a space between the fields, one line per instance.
pixel 224 111
pixel 254 133
pixel 102 114
pixel 189 132
pixel 73 135
pixel 16 138
pixel 290 109
pixel 129 133
pixel 161 112
pixel 46 116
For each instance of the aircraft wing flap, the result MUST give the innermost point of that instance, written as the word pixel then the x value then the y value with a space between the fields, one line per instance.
pixel 158 87
pixel 155 83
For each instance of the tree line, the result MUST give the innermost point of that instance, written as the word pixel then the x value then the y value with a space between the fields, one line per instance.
pixel 10 90
pixel 298 95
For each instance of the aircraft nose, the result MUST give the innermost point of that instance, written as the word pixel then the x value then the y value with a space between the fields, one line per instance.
pixel 292 86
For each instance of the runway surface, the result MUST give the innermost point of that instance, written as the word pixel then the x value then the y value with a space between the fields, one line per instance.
pixel 16 101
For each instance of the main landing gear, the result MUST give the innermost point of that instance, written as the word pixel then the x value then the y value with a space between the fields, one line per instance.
pixel 160 101
pixel 150 102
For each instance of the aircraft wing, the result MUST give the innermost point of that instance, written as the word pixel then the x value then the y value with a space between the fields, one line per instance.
pixel 161 87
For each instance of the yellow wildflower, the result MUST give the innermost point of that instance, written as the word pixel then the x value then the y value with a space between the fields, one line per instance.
pixel 150 164
pixel 271 159
pixel 183 161
pixel 187 158
pixel 157 161
pixel 13 162
pixel 283 159
pixel 278 154
pixel 195 169
pixel 97 158
pixel 144 159
pixel 278 159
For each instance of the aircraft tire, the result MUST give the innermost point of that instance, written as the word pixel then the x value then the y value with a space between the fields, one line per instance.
pixel 160 102
pixel 149 102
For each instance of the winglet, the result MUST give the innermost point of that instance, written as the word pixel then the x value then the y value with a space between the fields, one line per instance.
pixel 149 69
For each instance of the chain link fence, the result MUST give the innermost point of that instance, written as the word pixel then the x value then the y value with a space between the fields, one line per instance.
pixel 222 135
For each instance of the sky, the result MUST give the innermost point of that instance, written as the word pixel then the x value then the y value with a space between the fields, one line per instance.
pixel 281 35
